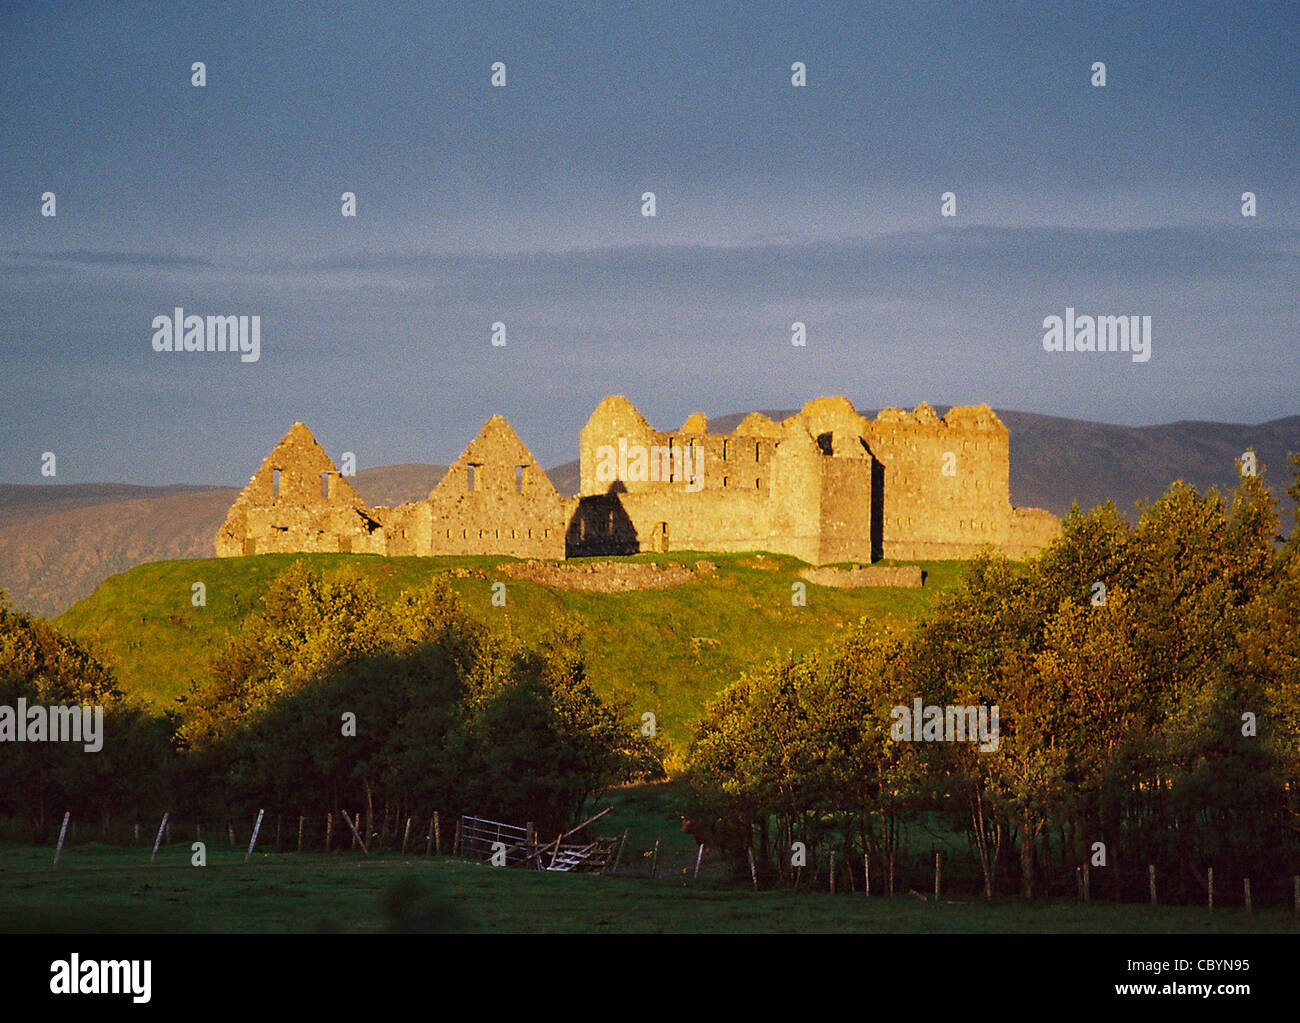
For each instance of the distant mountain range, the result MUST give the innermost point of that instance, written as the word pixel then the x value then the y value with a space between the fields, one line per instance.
pixel 59 541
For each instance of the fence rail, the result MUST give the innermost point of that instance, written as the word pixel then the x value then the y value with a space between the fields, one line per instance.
pixel 481 839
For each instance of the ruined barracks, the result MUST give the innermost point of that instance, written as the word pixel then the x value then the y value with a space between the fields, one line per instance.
pixel 826 485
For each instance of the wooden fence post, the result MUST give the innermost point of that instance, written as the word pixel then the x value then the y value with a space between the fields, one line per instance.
pixel 300 833
pixel 63 833
pixel 356 835
pixel 157 841
pixel 619 856
pixel 252 842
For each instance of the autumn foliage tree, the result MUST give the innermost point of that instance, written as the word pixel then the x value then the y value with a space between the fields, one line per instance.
pixel 329 698
pixel 42 780
pixel 1148 682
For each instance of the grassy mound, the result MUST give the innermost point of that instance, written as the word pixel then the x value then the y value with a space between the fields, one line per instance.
pixel 666 650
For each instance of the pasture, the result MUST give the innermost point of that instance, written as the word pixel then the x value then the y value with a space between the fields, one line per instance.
pixel 107 889
pixel 110 890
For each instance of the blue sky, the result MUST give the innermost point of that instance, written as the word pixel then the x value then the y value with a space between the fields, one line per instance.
pixel 522 205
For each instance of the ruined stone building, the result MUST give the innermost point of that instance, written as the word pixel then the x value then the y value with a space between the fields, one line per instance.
pixel 495 499
pixel 299 501
pixel 826 485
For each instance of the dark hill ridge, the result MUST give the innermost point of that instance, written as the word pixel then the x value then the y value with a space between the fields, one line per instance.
pixel 22 501
pixel 1055 461
pixel 58 541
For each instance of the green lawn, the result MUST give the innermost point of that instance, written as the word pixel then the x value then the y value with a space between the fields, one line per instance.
pixel 665 651
pixel 101 889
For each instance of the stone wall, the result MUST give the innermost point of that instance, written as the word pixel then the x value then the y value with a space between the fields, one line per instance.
pixel 826 485
pixel 654 490
pixel 860 577
pixel 299 501
pixel 495 499
pixel 606 576
pixel 946 481
pixel 1032 529
pixel 823 446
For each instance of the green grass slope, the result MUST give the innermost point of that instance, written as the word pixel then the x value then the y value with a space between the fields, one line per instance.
pixel 667 651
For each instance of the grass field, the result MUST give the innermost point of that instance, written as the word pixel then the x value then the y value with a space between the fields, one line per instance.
pixel 666 651
pixel 103 889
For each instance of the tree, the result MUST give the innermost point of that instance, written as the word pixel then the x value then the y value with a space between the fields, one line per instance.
pixel 41 666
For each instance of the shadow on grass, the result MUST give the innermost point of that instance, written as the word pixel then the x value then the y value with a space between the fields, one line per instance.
pixel 412 907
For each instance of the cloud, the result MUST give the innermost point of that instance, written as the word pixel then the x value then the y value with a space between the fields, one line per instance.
pixel 389 350
pixel 957 257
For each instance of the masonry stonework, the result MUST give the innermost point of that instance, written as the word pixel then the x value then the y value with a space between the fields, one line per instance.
pixel 826 485
pixel 299 501
pixel 495 499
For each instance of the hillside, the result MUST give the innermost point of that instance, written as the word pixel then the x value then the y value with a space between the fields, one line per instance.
pixel 57 542
pixel 665 651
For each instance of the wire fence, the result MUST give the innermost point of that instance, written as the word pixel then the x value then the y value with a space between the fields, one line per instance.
pixel 481 839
